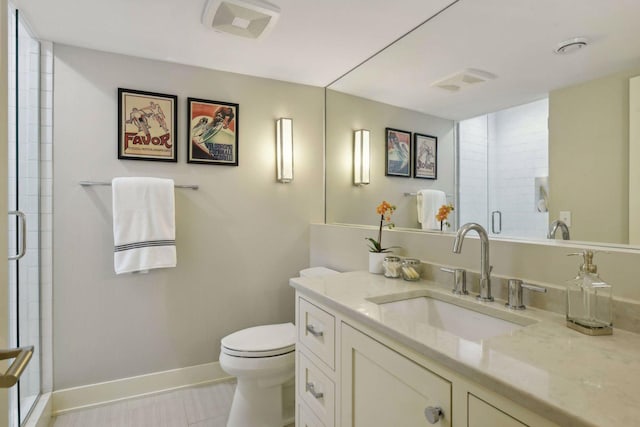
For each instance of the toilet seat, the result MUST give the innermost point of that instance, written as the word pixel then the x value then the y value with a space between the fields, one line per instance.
pixel 260 341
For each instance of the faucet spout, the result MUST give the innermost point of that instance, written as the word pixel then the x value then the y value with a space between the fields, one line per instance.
pixel 485 268
pixel 553 228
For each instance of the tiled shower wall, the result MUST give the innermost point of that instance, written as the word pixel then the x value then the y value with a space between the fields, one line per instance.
pixel 35 169
pixel 472 198
pixel 46 213
pixel 501 154
pixel 518 153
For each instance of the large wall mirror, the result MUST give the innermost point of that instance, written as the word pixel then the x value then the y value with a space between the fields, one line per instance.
pixel 525 135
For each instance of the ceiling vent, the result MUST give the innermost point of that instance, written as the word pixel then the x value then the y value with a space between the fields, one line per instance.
pixel 463 79
pixel 245 18
pixel 571 45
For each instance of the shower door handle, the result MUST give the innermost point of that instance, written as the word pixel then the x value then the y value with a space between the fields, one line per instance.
pixel 493 222
pixel 22 357
pixel 22 249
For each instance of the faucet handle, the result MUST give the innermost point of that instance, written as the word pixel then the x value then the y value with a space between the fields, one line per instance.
pixel 514 300
pixel 459 280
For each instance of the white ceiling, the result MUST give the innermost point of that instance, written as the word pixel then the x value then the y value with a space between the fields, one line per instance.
pixel 514 40
pixel 315 42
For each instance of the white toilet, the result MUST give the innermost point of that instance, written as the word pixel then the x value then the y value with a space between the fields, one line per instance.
pixel 262 359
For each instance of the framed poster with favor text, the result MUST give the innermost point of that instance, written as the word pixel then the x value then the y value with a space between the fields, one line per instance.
pixel 425 151
pixel 398 153
pixel 147 126
pixel 213 132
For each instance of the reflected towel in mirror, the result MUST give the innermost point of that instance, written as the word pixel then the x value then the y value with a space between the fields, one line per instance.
pixel 429 201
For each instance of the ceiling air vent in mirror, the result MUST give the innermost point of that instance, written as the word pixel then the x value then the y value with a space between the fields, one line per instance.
pixel 245 18
pixel 464 78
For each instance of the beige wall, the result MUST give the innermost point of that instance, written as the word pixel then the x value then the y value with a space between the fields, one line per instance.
pixel 239 237
pixel 350 204
pixel 634 161
pixel 588 157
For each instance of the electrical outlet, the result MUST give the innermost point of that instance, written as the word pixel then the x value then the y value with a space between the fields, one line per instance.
pixel 565 216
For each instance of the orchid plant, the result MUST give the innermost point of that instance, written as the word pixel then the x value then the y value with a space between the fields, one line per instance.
pixel 443 214
pixel 385 210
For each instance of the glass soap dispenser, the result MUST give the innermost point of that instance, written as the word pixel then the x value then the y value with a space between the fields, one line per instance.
pixel 589 300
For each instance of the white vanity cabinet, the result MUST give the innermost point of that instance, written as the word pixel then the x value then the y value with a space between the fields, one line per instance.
pixel 383 388
pixel 352 375
pixel 315 365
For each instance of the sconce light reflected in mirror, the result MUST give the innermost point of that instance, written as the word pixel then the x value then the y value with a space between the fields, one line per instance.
pixel 361 157
pixel 284 149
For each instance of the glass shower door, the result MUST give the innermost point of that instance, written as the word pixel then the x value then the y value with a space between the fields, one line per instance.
pixel 24 200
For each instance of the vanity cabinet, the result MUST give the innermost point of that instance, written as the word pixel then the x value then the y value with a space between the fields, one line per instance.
pixel 352 375
pixel 315 365
pixel 383 388
pixel 482 414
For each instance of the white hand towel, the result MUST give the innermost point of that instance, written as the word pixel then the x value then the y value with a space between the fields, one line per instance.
pixel 429 201
pixel 144 231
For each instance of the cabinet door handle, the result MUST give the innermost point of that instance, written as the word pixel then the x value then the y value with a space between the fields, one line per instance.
pixel 433 414
pixel 312 330
pixel 311 388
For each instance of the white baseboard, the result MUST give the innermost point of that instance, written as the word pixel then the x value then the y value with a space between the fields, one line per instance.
pixel 111 391
pixel 40 416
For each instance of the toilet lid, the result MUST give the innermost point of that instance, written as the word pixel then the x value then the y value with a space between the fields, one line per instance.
pixel 261 341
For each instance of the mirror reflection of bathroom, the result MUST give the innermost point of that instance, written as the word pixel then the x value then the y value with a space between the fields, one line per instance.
pixel 502 169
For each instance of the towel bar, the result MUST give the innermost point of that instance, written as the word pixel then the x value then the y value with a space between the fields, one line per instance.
pixel 449 196
pixel 90 183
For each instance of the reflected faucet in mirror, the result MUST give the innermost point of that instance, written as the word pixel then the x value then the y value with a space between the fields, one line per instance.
pixel 485 268
pixel 553 228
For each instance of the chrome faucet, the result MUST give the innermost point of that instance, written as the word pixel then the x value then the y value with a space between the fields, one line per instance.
pixel 485 268
pixel 553 227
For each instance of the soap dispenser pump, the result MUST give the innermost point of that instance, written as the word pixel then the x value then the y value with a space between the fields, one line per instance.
pixel 589 300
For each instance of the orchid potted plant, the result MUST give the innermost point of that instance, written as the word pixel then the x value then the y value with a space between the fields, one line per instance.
pixel 443 214
pixel 376 251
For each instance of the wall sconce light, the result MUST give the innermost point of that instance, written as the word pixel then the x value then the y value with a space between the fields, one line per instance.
pixel 361 157
pixel 284 149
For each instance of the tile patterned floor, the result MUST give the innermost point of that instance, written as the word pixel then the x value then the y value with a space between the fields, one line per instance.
pixel 204 406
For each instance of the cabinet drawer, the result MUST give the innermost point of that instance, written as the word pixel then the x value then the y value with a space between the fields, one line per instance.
pixel 482 414
pixel 316 330
pixel 307 419
pixel 316 390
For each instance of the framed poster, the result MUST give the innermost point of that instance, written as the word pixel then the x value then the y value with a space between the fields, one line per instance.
pixel 425 151
pixel 147 126
pixel 398 153
pixel 213 132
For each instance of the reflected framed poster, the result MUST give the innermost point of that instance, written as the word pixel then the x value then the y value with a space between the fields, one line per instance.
pixel 425 151
pixel 147 126
pixel 397 153
pixel 213 132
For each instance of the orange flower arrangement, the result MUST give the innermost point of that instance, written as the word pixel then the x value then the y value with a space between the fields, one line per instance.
pixel 443 214
pixel 385 210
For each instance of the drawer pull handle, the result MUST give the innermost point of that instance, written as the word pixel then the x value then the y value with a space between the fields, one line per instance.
pixel 312 330
pixel 433 414
pixel 311 388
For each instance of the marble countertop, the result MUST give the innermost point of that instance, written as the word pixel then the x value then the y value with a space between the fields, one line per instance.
pixel 570 378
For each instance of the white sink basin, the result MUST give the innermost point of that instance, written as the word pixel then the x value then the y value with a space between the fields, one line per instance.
pixel 461 321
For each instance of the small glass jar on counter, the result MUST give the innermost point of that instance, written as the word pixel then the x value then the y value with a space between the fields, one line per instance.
pixel 411 269
pixel 392 266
